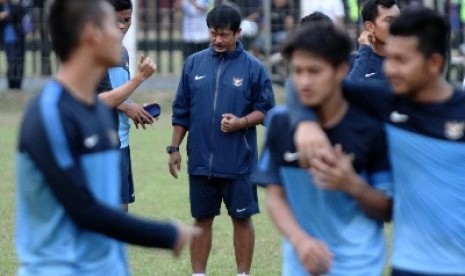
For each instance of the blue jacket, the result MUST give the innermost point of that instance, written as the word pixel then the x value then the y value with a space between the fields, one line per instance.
pixel 213 84
pixel 367 65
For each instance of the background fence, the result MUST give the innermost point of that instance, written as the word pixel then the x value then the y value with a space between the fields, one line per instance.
pixel 159 31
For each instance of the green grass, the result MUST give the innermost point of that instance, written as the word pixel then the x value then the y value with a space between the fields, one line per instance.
pixel 158 196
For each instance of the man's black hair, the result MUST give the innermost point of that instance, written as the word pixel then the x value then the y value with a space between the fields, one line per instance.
pixel 370 8
pixel 315 17
pixel 431 29
pixel 121 5
pixel 321 39
pixel 224 17
pixel 66 20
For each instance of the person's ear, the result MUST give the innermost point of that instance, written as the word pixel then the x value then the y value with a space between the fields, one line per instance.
pixel 436 63
pixel 238 33
pixel 369 26
pixel 91 33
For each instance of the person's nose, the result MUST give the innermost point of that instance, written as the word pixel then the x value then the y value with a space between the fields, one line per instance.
pixel 218 40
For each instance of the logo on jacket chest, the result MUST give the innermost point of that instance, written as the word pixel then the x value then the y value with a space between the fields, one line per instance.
pixel 237 81
pixel 454 130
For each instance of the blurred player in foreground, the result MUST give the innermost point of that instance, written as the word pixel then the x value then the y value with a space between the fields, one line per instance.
pixel 332 220
pixel 69 220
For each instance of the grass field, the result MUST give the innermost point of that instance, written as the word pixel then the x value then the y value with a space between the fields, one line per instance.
pixel 158 195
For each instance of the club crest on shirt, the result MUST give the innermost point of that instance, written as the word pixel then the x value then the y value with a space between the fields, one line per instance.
pixel 454 130
pixel 238 81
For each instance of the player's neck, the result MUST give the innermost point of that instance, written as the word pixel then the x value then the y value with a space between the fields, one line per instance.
pixel 378 48
pixel 332 110
pixel 436 91
pixel 80 77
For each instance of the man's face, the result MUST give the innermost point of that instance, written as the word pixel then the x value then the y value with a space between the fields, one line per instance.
pixel 380 27
pixel 108 46
pixel 124 19
pixel 315 78
pixel 406 68
pixel 223 40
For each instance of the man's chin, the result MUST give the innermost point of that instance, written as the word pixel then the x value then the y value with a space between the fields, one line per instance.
pixel 219 50
pixel 308 103
pixel 399 90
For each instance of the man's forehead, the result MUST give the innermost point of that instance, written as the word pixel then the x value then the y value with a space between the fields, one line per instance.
pixel 402 42
pixel 392 11
pixel 221 30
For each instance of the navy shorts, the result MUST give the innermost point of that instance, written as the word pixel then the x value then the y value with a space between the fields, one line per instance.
pixel 206 195
pixel 127 184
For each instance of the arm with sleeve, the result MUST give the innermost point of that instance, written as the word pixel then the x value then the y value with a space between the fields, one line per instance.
pixel 262 92
pixel 51 144
pixel 361 63
pixel 372 96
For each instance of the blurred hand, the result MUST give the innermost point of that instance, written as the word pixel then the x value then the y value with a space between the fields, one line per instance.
pixel 311 142
pixel 138 114
pixel 334 174
pixel 314 256
pixel 185 235
pixel 4 15
pixel 174 163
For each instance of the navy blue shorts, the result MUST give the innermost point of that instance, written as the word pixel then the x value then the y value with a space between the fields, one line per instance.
pixel 127 184
pixel 206 195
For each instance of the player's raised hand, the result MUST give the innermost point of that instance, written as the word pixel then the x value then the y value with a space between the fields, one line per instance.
pixel 146 67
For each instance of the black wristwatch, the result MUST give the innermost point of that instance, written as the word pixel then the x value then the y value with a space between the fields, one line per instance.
pixel 171 149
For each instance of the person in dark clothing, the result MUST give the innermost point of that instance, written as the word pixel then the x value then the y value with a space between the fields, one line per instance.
pixel 223 94
pixel 13 37
pixel 377 16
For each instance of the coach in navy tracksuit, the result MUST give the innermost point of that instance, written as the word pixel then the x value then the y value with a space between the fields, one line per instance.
pixel 223 94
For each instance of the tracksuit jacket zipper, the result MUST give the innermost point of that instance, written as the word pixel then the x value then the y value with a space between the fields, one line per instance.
pixel 215 98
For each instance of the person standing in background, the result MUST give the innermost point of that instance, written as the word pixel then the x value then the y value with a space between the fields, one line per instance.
pixel 282 23
pixel 251 11
pixel 115 89
pixel 224 93
pixel 377 16
pixel 13 38
pixel 194 29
